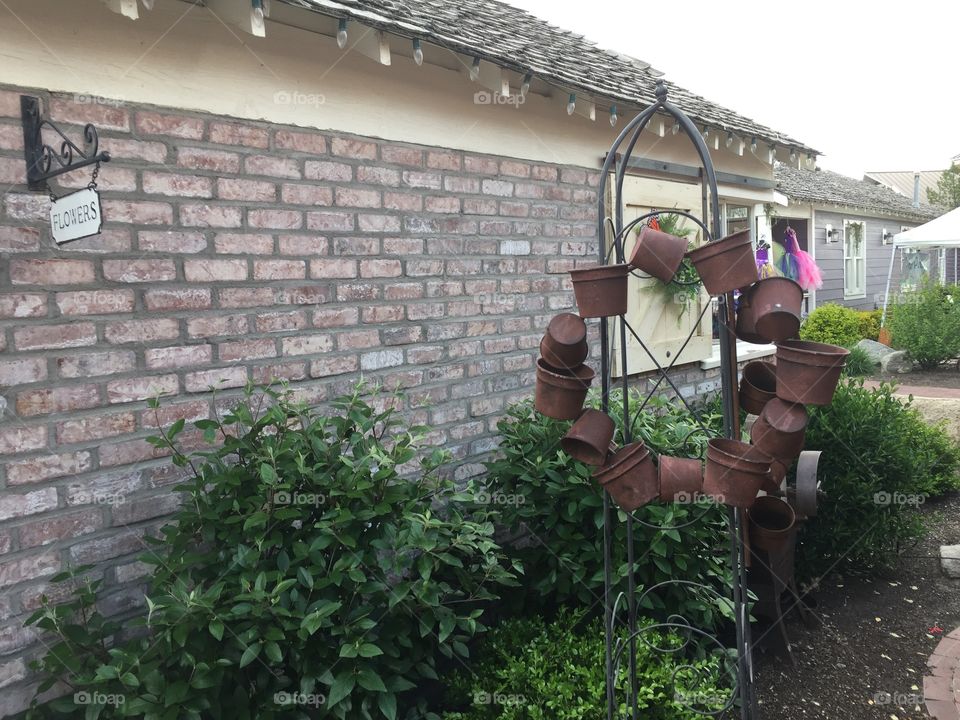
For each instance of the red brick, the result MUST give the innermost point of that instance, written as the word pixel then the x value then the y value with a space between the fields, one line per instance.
pixel 575 176
pixel 335 317
pixel 220 378
pixel 380 268
pixel 281 321
pixel 11 137
pixel 51 272
pixel 142 331
pixel 219 325
pixel 30 207
pixel 22 371
pixel 443 204
pixel 514 168
pixel 177 357
pixel 168 413
pixel 325 367
pixel 151 123
pixel 206 271
pixel 383 314
pixel 303 245
pixel 51 337
pixel 13 171
pixel 95 302
pixel 333 268
pixel 404 291
pixel 327 170
pixel 279 219
pixel 378 175
pixel 266 374
pixel 378 223
pixel 461 184
pixel 210 216
pixel 203 159
pixel 247 190
pixel 169 184
pixel 112 179
pixel 355 197
pixel 272 166
pixel 105 116
pixel 306 194
pixel 312 143
pixel 279 269
pixel 137 212
pixel 110 240
pixel 46 467
pixel 60 527
pixel 129 452
pixel 137 271
pixel 237 244
pixel 236 134
pixel 356 246
pixel 125 149
pixel 544 172
pixel 95 427
pixel 142 388
pixel 247 297
pixel 402 201
pixel 307 345
pixel 353 148
pixel 145 508
pixel 10 104
pixel 108 547
pixel 480 165
pixel 162 299
pixel 19 239
pixel 21 439
pixel 303 295
pixel 358 339
pixel 29 567
pixel 59 399
pixel 329 221
pixel 401 155
pixel 167 241
pixel 443 160
pixel 81 365
pixel 246 350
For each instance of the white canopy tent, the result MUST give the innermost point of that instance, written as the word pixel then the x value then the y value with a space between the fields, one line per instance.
pixel 943 232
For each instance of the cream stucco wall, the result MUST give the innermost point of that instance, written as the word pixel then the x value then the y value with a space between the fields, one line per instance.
pixel 185 56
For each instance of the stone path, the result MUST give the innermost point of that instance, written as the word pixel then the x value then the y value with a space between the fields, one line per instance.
pixel 922 390
pixel 941 689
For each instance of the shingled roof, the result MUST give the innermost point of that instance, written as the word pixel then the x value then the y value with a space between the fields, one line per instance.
pixel 516 40
pixel 830 188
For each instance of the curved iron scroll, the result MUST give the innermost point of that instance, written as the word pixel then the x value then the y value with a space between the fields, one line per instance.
pixel 44 161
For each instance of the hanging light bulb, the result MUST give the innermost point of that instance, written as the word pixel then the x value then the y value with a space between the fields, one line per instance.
pixel 525 85
pixel 266 7
pixel 475 69
pixel 729 141
pixel 793 155
pixel 571 103
pixel 706 132
pixel 342 33
pixel 256 14
pixel 613 115
pixel 148 4
pixel 753 145
pixel 417 52
pixel 676 128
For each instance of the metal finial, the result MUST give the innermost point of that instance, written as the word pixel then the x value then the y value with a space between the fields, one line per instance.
pixel 661 90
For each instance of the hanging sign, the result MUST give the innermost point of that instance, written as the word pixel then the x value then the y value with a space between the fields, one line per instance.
pixel 77 215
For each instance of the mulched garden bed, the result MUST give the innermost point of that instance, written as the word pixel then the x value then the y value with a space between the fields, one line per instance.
pixel 868 658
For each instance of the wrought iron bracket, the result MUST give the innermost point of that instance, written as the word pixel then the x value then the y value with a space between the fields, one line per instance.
pixel 45 161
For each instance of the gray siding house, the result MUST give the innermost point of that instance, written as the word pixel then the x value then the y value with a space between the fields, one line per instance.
pixel 848 226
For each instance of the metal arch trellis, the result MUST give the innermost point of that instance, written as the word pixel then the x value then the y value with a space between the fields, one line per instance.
pixel 619 647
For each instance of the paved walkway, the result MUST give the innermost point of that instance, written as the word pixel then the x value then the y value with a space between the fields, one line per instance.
pixel 927 391
pixel 941 689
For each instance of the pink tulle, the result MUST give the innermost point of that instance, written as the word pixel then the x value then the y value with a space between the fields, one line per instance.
pixel 807 274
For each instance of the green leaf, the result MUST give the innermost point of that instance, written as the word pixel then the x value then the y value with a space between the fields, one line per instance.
pixel 388 705
pixel 272 651
pixel 305 577
pixel 249 654
pixel 342 686
pixel 369 650
pixel 369 680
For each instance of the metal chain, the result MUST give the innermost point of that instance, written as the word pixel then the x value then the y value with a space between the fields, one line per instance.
pixel 93 180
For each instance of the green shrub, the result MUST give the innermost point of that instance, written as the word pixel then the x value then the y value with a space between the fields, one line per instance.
pixel 869 323
pixel 531 670
pixel 302 562
pixel 833 324
pixel 880 461
pixel 554 504
pixel 859 363
pixel 926 324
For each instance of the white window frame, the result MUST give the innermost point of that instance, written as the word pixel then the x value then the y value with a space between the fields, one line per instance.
pixel 858 291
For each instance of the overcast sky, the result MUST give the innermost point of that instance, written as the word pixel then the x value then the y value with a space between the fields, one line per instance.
pixel 872 85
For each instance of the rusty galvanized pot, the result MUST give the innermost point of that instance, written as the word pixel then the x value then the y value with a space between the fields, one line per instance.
pixel 560 395
pixel 601 291
pixel 564 345
pixel 658 253
pixel 778 471
pixel 726 264
pixel 747 323
pixel 775 305
pixel 808 372
pixel 588 440
pixel 771 520
pixel 630 477
pixel 780 429
pixel 680 478
pixel 758 385
pixel 735 472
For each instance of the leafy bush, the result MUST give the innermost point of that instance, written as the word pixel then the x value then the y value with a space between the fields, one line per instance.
pixel 302 566
pixel 926 324
pixel 833 324
pixel 532 670
pixel 859 363
pixel 870 323
pixel 557 511
pixel 880 461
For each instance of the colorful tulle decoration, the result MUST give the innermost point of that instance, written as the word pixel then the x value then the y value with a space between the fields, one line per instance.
pixel 798 265
pixel 765 266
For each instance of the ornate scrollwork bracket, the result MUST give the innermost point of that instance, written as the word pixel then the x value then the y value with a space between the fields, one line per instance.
pixel 44 161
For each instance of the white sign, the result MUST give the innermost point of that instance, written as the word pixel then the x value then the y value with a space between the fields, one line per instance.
pixel 76 216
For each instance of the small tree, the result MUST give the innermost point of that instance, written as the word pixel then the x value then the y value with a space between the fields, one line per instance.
pixel 947 192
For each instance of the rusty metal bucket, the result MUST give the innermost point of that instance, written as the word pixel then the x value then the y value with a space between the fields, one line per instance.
pixel 630 477
pixel 588 440
pixel 808 372
pixel 726 264
pixel 560 395
pixel 601 291
pixel 658 253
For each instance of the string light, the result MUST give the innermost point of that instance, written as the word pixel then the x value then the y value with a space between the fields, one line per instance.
pixel 793 155
pixel 571 103
pixel 148 4
pixel 342 33
pixel 676 128
pixel 417 52
pixel 525 85
pixel 475 69
pixel 256 13
pixel 753 145
pixel 706 132
pixel 266 7
pixel 729 139
pixel 613 115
